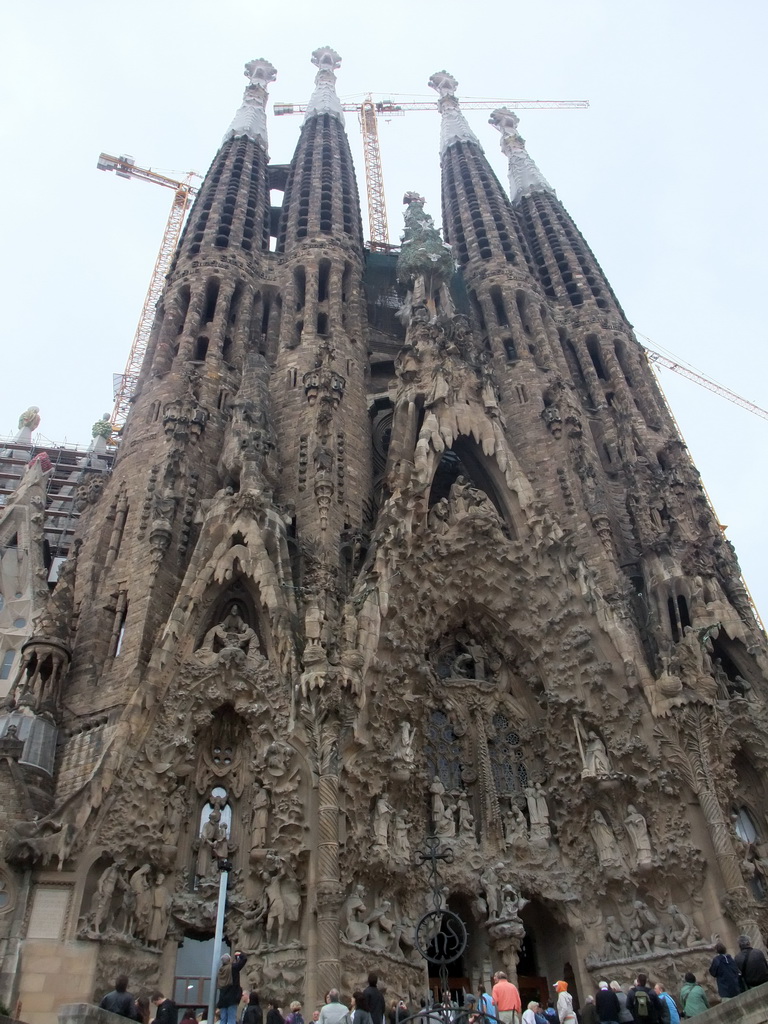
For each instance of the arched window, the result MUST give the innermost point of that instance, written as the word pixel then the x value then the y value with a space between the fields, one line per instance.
pixel 744 824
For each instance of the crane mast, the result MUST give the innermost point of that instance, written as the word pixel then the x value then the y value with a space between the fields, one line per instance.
pixel 183 192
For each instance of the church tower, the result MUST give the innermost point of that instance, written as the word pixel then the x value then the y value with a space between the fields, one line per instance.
pixel 401 553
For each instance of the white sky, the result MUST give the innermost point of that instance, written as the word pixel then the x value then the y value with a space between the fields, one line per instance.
pixel 663 174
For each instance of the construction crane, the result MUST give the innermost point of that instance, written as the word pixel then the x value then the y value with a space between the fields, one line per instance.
pixel 705 382
pixel 368 112
pixel 183 192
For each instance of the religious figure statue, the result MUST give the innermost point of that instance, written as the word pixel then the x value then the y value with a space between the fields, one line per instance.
pixel 380 926
pixel 354 913
pixel 233 633
pixel 382 815
pixel 260 818
pixel 445 825
pixel 211 835
pixel 283 898
pixel 616 940
pixel 138 883
pixel 102 898
pixel 404 742
pixel 608 852
pixel 160 912
pixel 538 813
pixel 437 789
pixel 596 763
pixel 682 932
pixel 515 826
pixel 490 883
pixel 466 818
pixel 651 933
pixel 637 830
pixel 401 848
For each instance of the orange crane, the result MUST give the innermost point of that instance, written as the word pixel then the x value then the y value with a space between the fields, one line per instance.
pixel 183 192
pixel 369 111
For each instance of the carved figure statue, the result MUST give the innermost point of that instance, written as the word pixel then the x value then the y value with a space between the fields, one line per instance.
pixel 616 940
pixel 210 835
pixel 139 885
pixel 651 934
pixel 437 789
pixel 354 915
pixel 260 819
pixel 466 818
pixel 160 912
pixel 608 851
pixel 232 633
pixel 637 830
pixel 538 812
pixel 682 931
pixel 490 883
pixel 515 826
pixel 401 848
pixel 380 926
pixel 102 898
pixel 404 742
pixel 283 897
pixel 596 763
pixel 445 825
pixel 382 815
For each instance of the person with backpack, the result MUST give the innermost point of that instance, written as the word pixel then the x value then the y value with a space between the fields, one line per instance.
pixel 726 973
pixel 643 1003
pixel 294 1016
pixel 693 998
pixel 669 1011
pixel 751 962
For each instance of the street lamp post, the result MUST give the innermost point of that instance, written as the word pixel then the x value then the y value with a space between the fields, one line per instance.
pixel 225 866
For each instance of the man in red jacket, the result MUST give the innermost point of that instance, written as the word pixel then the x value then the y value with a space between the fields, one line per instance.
pixel 506 997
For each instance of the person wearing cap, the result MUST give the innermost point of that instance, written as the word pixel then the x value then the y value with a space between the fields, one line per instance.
pixel 607 1004
pixel 506 997
pixel 485 1005
pixel 565 1011
pixel 751 962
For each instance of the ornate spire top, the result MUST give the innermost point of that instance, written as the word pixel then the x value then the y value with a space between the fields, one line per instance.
pixel 324 99
pixel 524 176
pixel 454 127
pixel 251 118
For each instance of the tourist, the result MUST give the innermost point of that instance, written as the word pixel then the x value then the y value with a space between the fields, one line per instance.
pixel 643 1003
pixel 625 1014
pixel 142 1008
pixel 166 1011
pixel 529 1017
pixel 751 962
pixel 273 1013
pixel 189 1016
pixel 120 1000
pixel 362 1014
pixel 693 998
pixel 726 973
pixel 606 1004
pixel 565 1011
pixel 334 1010
pixel 374 999
pixel 294 1016
pixel 589 1011
pixel 228 984
pixel 253 1013
pixel 485 1005
pixel 506 998
pixel 667 1005
pixel 550 1013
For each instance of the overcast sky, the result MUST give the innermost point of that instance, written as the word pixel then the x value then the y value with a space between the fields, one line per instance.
pixel 664 174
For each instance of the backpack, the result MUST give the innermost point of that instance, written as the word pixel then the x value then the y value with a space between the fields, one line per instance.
pixel 642 1003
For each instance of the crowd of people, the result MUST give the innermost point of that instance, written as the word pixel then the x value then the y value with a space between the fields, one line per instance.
pixel 641 1003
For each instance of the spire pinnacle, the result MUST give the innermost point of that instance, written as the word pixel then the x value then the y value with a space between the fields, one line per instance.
pixel 524 176
pixel 251 119
pixel 324 99
pixel 454 126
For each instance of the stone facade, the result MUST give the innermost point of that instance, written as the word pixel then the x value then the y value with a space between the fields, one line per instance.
pixel 390 549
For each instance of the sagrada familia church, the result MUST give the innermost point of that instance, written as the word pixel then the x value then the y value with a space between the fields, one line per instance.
pixel 400 552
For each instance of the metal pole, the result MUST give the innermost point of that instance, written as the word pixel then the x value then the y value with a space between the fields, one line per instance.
pixel 224 866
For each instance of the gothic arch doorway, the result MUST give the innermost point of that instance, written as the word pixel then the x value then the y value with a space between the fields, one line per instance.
pixel 544 954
